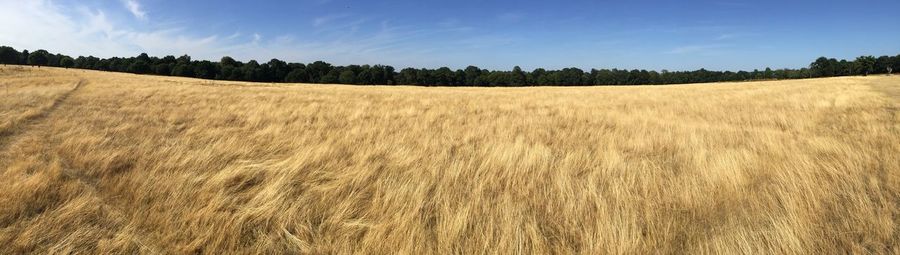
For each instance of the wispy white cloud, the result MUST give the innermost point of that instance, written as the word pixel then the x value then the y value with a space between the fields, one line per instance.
pixel 234 36
pixel 697 29
pixel 256 38
pixel 453 24
pixel 135 8
pixel 342 39
pixel 327 19
pixel 81 30
pixel 485 41
pixel 732 36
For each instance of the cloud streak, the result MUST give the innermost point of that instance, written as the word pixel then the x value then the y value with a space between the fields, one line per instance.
pixel 79 30
pixel 135 8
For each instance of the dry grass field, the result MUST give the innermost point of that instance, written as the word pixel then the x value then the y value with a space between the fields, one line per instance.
pixel 109 163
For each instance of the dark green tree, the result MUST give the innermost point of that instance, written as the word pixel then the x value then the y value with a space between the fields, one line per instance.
pixel 331 77
pixel 865 65
pixel 443 77
pixel 144 57
pixel 38 58
pixel 9 56
pixel 347 77
pixel 183 70
pixel 163 69
pixel 518 77
pixel 298 75
pixel 472 73
pixel 205 69
pixel 251 71
pixel 23 58
pixel 228 61
pixel 407 76
pixel 277 70
pixel 881 64
pixel 139 67
pixel 823 67
pixel 66 62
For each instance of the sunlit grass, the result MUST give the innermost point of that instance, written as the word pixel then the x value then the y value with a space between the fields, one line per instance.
pixel 148 164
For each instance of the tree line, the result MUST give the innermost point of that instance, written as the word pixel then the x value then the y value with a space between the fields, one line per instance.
pixel 321 72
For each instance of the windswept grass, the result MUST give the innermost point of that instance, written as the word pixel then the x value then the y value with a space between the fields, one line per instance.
pixel 138 164
pixel 26 95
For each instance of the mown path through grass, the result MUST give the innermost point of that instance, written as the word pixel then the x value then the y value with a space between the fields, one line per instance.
pixel 7 138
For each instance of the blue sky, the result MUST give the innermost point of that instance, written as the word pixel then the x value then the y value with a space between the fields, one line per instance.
pixel 673 35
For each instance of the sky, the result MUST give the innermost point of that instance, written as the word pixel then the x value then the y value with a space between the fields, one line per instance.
pixel 639 34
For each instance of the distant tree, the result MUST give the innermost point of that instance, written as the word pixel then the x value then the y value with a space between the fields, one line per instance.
pixel 822 67
pixel 82 62
pixel 169 60
pixel 317 70
pixel 66 62
pixel 144 57
pixel 277 70
pixel 184 59
pixel 205 69
pixel 459 78
pixel 895 64
pixel 846 68
pixel 347 77
pixel 364 75
pixel 226 68
pixel 102 65
pixel 443 77
pixel 298 75
pixel 518 77
pixel 251 71
pixel 8 55
pixel 387 75
pixel 321 72
pixel 896 61
pixel 571 76
pixel 425 77
pixel 498 79
pixel 881 64
pixel 865 65
pixel 331 77
pixel 407 76
pixel 23 58
pixel 183 70
pixel 38 58
pixel 53 59
pixel 472 73
pixel 227 61
pixel 139 67
pixel 237 74
pixel 539 76
pixel 163 69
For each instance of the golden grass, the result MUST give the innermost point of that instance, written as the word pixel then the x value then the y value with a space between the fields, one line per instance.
pixel 27 95
pixel 140 164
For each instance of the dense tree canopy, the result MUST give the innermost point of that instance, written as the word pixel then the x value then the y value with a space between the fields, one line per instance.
pixel 8 55
pixel 66 62
pixel 39 58
pixel 275 70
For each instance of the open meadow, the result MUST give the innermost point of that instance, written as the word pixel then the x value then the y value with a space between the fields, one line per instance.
pixel 107 163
